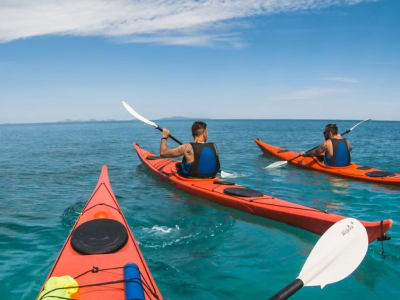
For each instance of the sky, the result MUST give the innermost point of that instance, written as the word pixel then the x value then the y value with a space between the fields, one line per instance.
pixel 271 59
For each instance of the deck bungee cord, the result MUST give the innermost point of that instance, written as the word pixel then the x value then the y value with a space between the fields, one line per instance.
pixel 148 290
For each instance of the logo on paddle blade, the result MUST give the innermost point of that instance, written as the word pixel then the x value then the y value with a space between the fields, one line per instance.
pixel 348 228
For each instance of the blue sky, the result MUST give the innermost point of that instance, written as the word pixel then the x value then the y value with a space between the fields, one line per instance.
pixel 313 59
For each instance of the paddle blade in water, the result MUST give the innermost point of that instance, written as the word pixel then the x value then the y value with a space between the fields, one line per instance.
pixel 226 174
pixel 231 175
pixel 337 253
pixel 137 116
pixel 276 164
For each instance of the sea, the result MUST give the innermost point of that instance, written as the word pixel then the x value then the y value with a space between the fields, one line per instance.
pixel 195 249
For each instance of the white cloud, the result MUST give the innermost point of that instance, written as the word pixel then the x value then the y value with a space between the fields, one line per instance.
pixel 157 21
pixel 343 79
pixel 195 39
pixel 313 93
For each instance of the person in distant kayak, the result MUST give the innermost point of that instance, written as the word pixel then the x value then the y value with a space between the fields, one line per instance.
pixel 335 148
pixel 200 159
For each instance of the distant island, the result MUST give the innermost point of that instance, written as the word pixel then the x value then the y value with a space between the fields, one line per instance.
pixel 177 118
pixel 84 121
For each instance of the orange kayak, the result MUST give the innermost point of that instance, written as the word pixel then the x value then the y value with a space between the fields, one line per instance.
pixel 353 171
pixel 100 252
pixel 251 201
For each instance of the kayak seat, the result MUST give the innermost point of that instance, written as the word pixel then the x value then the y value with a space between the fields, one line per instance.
pixel 379 174
pixel 283 151
pixel 153 157
pixel 180 173
pixel 243 192
pixel 222 182
pixel 99 236
pixel 364 168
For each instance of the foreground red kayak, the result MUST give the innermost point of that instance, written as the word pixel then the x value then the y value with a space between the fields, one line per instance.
pixel 100 255
pixel 251 201
pixel 351 171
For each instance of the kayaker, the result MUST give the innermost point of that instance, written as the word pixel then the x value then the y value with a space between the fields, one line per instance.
pixel 200 159
pixel 335 148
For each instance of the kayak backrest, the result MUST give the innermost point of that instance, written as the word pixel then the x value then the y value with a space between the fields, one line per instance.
pixel 222 182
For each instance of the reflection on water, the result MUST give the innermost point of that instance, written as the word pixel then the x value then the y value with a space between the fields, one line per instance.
pixel 341 185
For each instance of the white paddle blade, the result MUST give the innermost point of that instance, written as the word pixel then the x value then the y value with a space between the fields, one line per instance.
pixel 276 164
pixel 338 252
pixel 227 175
pixel 137 116
pixel 359 124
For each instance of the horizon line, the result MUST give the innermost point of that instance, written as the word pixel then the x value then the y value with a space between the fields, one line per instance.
pixel 185 119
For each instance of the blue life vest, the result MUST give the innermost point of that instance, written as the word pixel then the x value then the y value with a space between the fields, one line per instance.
pixel 341 154
pixel 206 161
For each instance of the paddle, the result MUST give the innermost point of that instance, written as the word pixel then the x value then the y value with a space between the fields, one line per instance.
pixel 151 123
pixel 144 120
pixel 282 163
pixel 338 252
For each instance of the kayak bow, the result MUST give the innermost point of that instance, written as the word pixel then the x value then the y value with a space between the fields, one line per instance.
pixel 101 255
pixel 251 201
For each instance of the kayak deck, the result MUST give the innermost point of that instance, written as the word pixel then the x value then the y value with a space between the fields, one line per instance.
pixel 107 267
pixel 311 219
pixel 352 171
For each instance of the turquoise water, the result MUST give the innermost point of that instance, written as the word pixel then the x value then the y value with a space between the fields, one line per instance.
pixel 195 249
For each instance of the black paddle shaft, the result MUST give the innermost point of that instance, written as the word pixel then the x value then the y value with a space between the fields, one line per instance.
pixel 288 290
pixel 176 140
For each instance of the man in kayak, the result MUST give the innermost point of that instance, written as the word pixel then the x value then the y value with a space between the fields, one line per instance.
pixel 200 159
pixel 335 148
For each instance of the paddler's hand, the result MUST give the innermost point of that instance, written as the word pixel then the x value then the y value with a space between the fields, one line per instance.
pixel 307 154
pixel 165 133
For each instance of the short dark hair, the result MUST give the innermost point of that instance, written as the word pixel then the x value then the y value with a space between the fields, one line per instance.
pixel 332 128
pixel 198 128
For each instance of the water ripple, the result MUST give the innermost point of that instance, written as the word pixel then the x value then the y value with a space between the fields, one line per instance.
pixel 195 249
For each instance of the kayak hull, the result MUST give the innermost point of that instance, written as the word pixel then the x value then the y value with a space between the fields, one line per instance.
pixel 311 219
pixel 352 171
pixel 103 205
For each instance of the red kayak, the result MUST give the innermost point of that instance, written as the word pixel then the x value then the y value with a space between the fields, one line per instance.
pixel 351 171
pixel 100 255
pixel 251 201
